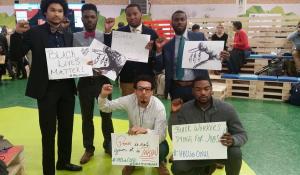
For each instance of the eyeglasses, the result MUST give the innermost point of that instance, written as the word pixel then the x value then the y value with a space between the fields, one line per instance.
pixel 141 89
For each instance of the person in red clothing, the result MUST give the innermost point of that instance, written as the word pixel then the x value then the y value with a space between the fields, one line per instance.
pixel 240 48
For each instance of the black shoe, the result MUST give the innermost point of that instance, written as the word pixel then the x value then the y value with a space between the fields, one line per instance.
pixel 69 167
pixel 108 151
pixel 107 148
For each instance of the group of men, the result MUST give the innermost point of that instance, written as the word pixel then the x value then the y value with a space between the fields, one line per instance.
pixel 190 90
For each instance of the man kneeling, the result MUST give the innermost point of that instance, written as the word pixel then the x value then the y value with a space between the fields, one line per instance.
pixel 146 114
pixel 203 109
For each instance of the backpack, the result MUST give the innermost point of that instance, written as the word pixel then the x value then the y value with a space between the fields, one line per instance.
pixel 295 94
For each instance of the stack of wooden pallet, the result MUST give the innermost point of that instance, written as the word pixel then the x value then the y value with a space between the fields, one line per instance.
pixel 259 87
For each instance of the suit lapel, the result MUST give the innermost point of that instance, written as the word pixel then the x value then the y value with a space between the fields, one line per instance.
pixel 44 30
pixel 143 29
pixel 127 29
pixel 68 39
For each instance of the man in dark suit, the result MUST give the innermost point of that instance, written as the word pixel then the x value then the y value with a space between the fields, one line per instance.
pixel 178 81
pixel 133 69
pixel 55 98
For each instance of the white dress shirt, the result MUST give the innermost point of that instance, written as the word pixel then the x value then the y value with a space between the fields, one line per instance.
pixel 137 29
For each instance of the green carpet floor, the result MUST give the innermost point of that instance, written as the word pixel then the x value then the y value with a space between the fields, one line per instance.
pixel 273 130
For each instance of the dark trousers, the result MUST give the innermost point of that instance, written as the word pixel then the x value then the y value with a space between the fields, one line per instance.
pixel 236 61
pixel 56 110
pixel 89 89
pixel 163 151
pixel 195 167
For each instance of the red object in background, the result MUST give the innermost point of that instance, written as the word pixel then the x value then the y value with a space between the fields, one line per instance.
pixel 9 156
pixel 163 28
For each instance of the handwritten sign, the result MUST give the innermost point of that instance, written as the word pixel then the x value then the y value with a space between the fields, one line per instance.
pixel 199 141
pixel 106 60
pixel 202 55
pixel 68 62
pixel 131 45
pixel 138 150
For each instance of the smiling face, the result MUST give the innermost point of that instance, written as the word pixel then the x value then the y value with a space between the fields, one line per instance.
pixel 55 14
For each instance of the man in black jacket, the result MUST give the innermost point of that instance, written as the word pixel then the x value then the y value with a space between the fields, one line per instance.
pixel 55 98
pixel 133 69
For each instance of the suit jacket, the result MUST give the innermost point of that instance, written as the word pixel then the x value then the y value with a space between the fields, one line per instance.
pixel 36 40
pixel 132 69
pixel 166 60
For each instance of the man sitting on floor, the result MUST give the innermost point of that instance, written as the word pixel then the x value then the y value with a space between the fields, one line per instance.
pixel 146 115
pixel 203 109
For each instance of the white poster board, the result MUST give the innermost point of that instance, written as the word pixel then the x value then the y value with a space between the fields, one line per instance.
pixel 199 141
pixel 202 55
pixel 136 150
pixel 68 62
pixel 131 45
pixel 106 60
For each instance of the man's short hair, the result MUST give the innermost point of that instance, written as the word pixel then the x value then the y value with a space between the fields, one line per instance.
pixel 237 24
pixel 45 4
pixel 178 11
pixel 195 27
pixel 89 6
pixel 133 5
pixel 144 78
pixel 201 78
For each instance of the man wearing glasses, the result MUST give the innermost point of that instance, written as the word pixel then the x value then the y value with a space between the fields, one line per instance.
pixel 146 114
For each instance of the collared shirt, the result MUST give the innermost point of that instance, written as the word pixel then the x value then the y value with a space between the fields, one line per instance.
pixel 188 73
pixel 80 41
pixel 55 39
pixel 153 117
pixel 137 29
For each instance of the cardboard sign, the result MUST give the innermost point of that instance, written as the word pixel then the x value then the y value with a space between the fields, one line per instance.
pixel 199 141
pixel 137 150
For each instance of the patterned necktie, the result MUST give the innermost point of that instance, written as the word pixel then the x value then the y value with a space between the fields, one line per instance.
pixel 179 69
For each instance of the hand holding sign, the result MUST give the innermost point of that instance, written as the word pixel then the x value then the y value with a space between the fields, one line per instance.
pixel 135 130
pixel 159 43
pixel 149 45
pixel 227 140
pixel 224 55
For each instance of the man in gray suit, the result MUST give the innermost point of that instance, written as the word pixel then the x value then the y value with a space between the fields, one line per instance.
pixel 205 109
pixel 90 87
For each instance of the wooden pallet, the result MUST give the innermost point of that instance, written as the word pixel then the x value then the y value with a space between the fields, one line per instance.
pixel 219 90
pixel 241 88
pixel 257 89
pixel 273 90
